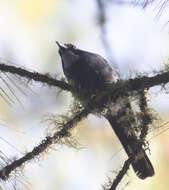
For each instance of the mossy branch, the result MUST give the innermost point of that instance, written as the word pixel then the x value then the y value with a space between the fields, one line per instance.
pixel 94 104
pixel 114 91
pixel 49 140
pixel 45 79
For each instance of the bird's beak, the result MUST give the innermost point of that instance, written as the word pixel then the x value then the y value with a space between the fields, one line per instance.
pixel 61 48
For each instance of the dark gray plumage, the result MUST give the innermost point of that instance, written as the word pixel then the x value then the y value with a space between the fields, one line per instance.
pixel 91 71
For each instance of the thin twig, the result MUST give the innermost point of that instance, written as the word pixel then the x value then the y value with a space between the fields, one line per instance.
pixel 102 22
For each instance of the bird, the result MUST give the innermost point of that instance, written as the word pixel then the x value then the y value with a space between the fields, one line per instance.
pixel 93 72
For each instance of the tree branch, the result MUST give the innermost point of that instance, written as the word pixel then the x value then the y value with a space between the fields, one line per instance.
pixel 101 4
pixel 114 91
pixel 49 140
pixel 96 105
pixel 121 173
pixel 35 76
pixel 124 88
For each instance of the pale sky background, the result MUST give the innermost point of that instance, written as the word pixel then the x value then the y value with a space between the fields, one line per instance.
pixel 29 29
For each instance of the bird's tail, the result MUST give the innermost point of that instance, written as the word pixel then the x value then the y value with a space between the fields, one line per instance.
pixel 142 165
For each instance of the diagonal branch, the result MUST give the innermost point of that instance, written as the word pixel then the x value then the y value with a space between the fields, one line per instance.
pixel 49 140
pixel 121 173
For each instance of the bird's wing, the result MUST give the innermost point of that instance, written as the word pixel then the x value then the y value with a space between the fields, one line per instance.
pixel 102 68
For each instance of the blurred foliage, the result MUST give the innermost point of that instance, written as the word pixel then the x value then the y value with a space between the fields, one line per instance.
pixel 28 33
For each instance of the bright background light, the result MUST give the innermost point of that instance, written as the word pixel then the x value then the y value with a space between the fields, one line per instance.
pixel 139 42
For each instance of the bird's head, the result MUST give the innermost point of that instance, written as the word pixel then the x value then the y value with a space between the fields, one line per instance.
pixel 69 53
